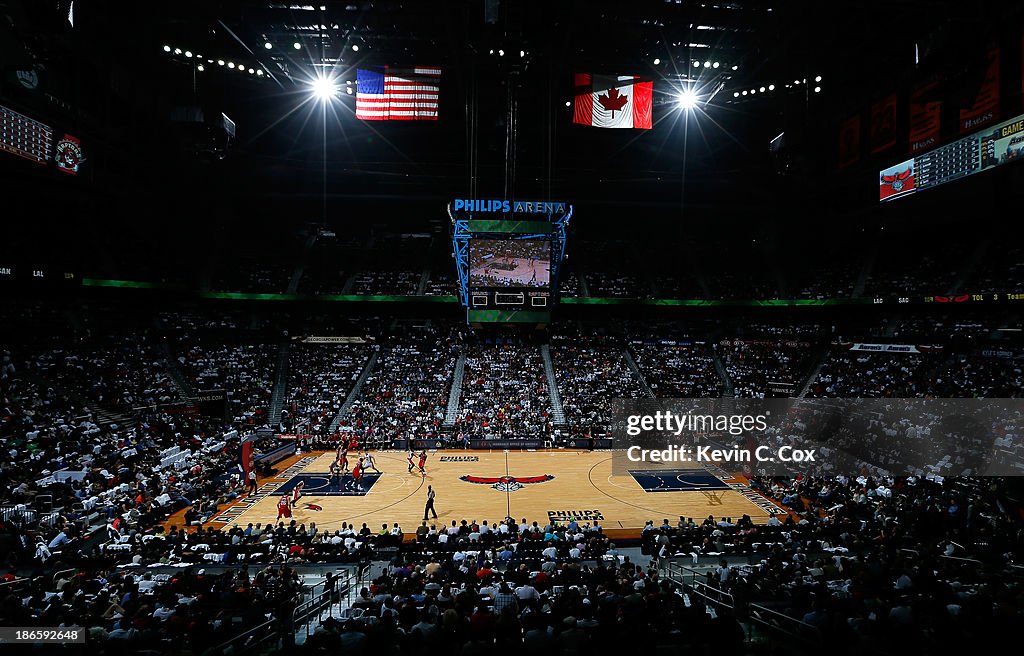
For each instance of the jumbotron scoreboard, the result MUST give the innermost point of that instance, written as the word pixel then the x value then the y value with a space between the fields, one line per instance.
pixel 508 254
pixel 975 153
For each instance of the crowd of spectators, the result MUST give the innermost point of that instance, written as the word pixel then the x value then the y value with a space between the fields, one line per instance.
pixel 615 285
pixel 677 368
pixel 244 371
pixel 869 562
pixel 383 283
pixel 863 561
pixel 762 367
pixel 857 374
pixel 120 372
pixel 256 276
pixel 440 284
pixel 406 394
pixel 934 273
pixel 504 392
pixel 590 372
pixel 320 377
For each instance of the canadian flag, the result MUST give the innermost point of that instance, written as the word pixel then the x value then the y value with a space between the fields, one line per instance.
pixel 613 101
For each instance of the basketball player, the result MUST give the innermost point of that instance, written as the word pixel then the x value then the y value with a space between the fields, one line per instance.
pixel 343 460
pixel 283 507
pixel 357 473
pixel 334 471
pixel 423 461
pixel 369 462
pixel 409 458
pixel 297 492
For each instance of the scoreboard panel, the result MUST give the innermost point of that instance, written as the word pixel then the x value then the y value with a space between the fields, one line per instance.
pixel 975 153
pixel 25 137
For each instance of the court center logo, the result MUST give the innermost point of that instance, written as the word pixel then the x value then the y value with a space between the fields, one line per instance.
pixel 507 483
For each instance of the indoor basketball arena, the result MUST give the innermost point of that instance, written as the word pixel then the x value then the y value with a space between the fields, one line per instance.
pixel 507 326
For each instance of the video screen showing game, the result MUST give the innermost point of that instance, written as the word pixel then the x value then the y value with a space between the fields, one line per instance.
pixel 509 263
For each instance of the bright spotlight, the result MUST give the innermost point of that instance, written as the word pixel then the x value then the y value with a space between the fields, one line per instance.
pixel 167 48
pixel 753 91
pixel 259 72
pixel 696 64
pixel 687 99
pixel 492 51
pixel 324 88
pixel 657 61
pixel 761 89
pixel 771 87
pixel 220 62
pixel 177 51
pixel 707 64
pixel 568 104
pixel 501 53
pixel 744 92
pixel 735 94
pixel 796 81
pixel 817 89
pixel 252 71
pixel 297 45
pixel 348 90
pixel 200 68
pixel 715 65
pixel 268 45
pixel 734 67
pixel 231 64
pixel 817 79
pixel 355 47
pixel 522 53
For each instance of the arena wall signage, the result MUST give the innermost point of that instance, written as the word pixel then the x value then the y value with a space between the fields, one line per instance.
pixel 316 339
pixel 577 515
pixel 896 348
pixel 515 206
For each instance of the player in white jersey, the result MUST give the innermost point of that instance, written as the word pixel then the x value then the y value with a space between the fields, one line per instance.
pixel 369 462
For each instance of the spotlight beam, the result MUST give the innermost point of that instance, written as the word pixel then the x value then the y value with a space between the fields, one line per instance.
pixel 250 51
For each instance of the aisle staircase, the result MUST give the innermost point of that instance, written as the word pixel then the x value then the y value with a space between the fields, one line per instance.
pixel 728 391
pixel 280 386
pixel 815 370
pixel 451 414
pixel 557 412
pixel 354 392
pixel 635 368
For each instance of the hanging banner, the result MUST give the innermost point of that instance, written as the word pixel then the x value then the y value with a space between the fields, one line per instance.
pixel 925 115
pixel 883 124
pixel 986 103
pixel 849 141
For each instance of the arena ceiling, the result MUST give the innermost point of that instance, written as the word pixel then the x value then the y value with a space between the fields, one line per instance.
pixel 166 60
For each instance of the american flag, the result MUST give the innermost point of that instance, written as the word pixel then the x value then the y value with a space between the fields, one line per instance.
pixel 397 94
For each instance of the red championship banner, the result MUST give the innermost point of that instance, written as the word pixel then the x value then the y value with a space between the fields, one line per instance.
pixel 925 115
pixel 849 141
pixel 883 124
pixel 986 104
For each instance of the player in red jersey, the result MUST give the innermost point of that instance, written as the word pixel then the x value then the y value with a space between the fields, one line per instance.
pixel 284 508
pixel 357 473
pixel 423 462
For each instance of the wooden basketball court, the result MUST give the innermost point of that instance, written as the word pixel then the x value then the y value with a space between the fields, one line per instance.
pixel 490 485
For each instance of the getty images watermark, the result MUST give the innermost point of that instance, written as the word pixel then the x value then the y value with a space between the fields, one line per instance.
pixel 940 437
